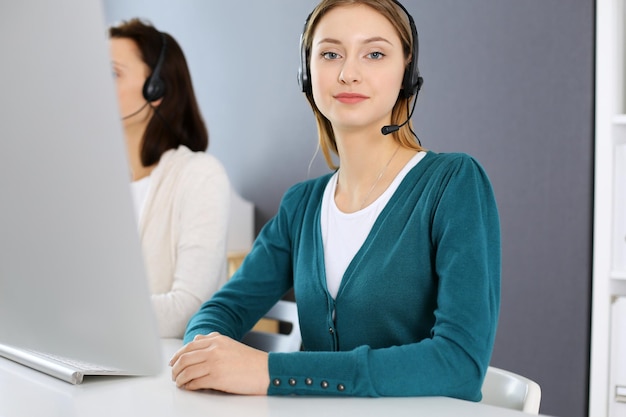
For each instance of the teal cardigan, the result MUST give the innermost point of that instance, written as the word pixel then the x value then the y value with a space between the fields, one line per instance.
pixel 417 309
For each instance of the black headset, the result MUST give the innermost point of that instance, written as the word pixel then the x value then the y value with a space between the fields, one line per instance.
pixel 411 83
pixel 154 87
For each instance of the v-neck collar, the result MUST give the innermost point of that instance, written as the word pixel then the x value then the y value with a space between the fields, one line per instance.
pixel 353 267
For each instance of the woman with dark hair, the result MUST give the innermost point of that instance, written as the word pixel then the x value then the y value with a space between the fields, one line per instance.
pixel 182 193
pixel 393 258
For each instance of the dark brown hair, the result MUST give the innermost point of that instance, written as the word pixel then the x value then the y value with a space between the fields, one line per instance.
pixel 177 119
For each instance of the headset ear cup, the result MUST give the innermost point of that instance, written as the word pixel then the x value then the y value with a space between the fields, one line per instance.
pixel 153 89
pixel 304 78
pixel 412 81
pixel 407 82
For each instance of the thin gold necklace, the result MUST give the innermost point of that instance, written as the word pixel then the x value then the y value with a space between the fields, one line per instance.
pixel 380 175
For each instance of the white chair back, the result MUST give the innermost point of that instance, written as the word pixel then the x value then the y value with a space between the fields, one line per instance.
pixel 509 390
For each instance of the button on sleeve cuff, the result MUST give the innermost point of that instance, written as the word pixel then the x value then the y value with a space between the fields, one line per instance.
pixel 319 373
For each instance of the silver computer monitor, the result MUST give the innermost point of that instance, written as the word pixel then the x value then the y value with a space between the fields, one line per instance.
pixel 72 278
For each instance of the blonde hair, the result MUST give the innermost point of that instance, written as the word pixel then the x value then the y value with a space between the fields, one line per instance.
pixel 398 18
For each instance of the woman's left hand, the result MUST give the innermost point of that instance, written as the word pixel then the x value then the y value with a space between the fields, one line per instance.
pixel 220 363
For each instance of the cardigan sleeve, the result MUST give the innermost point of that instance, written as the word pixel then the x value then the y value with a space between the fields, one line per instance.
pixel 200 220
pixel 465 237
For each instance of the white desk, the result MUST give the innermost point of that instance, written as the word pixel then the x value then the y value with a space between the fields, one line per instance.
pixel 28 393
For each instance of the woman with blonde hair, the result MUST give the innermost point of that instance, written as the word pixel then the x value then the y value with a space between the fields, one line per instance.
pixel 394 258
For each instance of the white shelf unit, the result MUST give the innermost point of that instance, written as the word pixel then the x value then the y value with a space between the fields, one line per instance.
pixel 609 241
pixel 617 373
pixel 618 266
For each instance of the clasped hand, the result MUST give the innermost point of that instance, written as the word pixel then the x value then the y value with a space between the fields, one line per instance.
pixel 220 363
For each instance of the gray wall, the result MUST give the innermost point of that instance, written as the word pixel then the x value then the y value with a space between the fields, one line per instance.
pixel 508 81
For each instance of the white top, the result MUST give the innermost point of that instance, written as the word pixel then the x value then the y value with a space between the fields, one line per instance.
pixel 343 234
pixel 183 229
pixel 139 190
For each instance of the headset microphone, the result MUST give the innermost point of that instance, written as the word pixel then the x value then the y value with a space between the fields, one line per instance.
pixel 135 112
pixel 385 130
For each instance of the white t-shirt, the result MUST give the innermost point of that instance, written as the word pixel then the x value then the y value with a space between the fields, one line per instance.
pixel 343 234
pixel 139 190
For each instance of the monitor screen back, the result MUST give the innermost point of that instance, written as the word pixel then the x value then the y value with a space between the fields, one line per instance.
pixel 72 279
